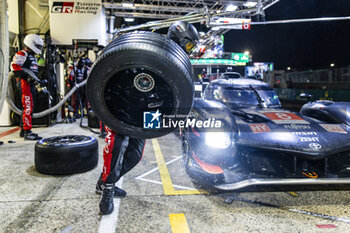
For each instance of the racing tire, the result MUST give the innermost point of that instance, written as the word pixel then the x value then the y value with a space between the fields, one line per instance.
pixel 140 72
pixel 63 155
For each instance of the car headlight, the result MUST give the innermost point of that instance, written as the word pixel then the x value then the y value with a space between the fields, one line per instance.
pixel 219 140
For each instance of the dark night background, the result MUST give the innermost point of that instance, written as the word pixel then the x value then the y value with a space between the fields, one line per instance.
pixel 299 45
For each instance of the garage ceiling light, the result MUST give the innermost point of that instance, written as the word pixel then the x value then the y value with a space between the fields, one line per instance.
pixel 128 4
pixel 231 7
pixel 250 4
pixel 129 19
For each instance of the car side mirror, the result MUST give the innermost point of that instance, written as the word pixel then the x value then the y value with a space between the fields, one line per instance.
pixel 305 96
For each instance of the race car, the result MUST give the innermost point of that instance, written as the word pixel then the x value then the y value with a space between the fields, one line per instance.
pixel 253 141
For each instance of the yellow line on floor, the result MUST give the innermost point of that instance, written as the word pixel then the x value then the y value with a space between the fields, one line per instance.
pixel 163 170
pixel 178 223
pixel 165 176
pixel 294 194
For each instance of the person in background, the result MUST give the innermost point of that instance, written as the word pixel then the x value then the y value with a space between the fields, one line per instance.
pixel 122 153
pixel 204 74
pixel 26 59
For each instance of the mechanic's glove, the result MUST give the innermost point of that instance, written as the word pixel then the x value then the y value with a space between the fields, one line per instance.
pixel 21 74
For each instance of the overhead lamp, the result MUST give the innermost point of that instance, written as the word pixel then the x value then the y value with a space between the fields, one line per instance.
pixel 128 4
pixel 288 68
pixel 332 64
pixel 250 4
pixel 129 19
pixel 231 7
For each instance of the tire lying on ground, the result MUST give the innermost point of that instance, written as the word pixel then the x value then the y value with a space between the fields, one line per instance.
pixel 140 72
pixel 66 154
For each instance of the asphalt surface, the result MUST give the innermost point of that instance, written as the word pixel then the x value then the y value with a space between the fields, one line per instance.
pixel 161 197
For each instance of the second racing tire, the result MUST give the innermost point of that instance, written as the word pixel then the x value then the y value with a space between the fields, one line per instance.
pixel 68 154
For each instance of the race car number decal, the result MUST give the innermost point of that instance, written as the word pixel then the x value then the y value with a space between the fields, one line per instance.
pixel 285 118
pixel 333 128
pixel 259 128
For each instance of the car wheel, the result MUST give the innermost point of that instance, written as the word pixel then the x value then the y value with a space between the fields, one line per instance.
pixel 66 154
pixel 140 72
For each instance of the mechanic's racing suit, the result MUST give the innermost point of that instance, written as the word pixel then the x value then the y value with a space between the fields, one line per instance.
pixel 130 150
pixel 25 59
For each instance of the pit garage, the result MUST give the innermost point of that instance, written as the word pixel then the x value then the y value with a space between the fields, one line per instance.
pixel 244 129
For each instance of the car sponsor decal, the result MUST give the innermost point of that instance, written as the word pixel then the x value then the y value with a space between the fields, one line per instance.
pixel 285 118
pixel 315 146
pixel 310 174
pixel 309 139
pixel 304 133
pixel 333 128
pixel 259 128
pixel 296 127
pixel 303 136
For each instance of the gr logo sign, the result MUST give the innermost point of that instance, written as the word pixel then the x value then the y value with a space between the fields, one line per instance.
pixel 62 7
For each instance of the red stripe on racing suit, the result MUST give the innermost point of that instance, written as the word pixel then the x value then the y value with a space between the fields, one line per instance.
pixel 128 150
pixel 23 59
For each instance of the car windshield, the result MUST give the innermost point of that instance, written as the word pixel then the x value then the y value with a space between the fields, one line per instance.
pixel 231 75
pixel 269 97
pixel 239 96
pixel 245 96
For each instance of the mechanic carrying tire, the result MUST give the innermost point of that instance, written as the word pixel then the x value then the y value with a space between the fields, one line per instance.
pixel 138 72
pixel 142 72
pixel 26 59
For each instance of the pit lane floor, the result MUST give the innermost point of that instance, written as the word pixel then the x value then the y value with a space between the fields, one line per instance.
pixel 161 197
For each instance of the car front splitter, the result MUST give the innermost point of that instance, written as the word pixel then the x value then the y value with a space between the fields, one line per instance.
pixel 282 181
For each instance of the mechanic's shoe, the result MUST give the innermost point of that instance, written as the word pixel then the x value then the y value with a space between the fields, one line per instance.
pixel 118 192
pixel 21 134
pixel 106 202
pixel 29 135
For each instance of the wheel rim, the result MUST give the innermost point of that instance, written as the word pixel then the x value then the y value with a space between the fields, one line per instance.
pixel 131 92
pixel 69 139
